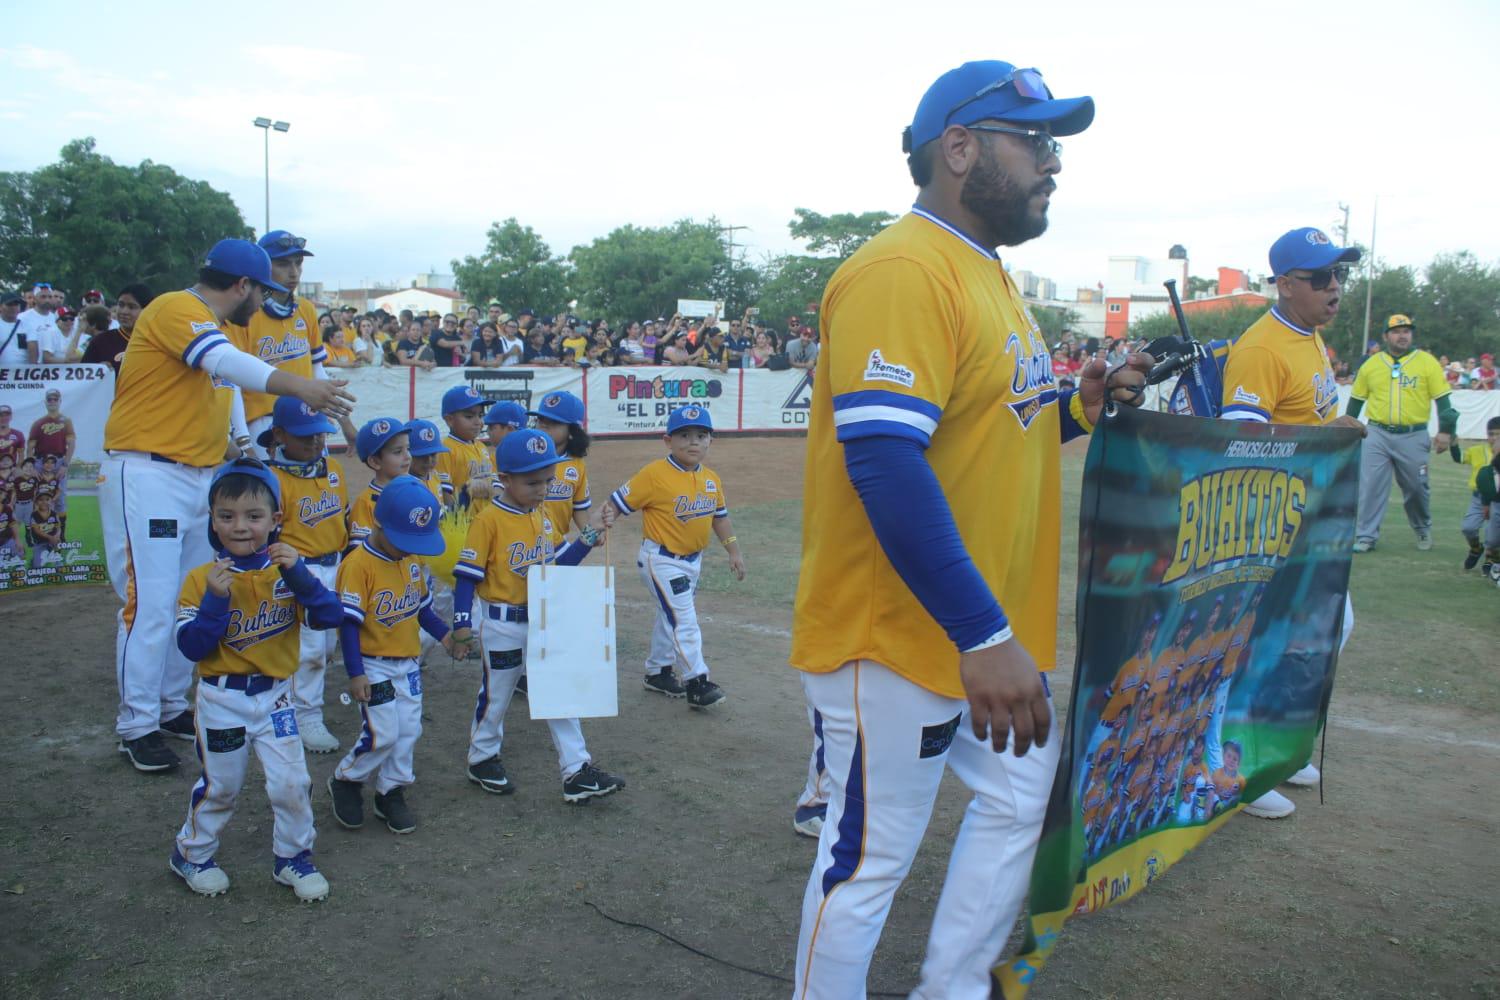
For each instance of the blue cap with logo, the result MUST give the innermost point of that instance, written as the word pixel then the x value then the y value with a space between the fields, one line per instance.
pixel 989 88
pixel 280 243
pixel 507 412
pixel 525 451
pixel 407 513
pixel 375 434
pixel 689 416
pixel 242 259
pixel 1308 249
pixel 256 470
pixel 296 418
pixel 463 397
pixel 564 407
pixel 425 438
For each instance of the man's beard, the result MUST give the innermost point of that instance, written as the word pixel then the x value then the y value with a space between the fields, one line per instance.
pixel 243 312
pixel 998 201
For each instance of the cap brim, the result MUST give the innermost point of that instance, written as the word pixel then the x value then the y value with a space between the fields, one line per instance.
pixel 694 423
pixel 1066 116
pixel 273 286
pixel 540 463
pixel 422 545
pixel 265 437
pixel 320 426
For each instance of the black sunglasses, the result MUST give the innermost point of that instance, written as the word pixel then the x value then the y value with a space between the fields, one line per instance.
pixel 289 243
pixel 1320 279
pixel 1042 143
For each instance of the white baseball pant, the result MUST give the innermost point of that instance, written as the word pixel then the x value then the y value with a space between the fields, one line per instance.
pixel 318 646
pixel 502 647
pixel 887 742
pixel 676 637
pixel 230 723
pixel 389 726
pixel 155 519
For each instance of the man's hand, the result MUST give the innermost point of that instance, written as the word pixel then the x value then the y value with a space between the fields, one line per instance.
pixel 1442 442
pixel 326 396
pixel 480 489
pixel 1005 694
pixel 359 689
pixel 1350 422
pixel 219 577
pixel 737 564
pixel 282 555
pixel 1125 383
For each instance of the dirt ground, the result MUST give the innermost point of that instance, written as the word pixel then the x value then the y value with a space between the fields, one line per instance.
pixel 1388 889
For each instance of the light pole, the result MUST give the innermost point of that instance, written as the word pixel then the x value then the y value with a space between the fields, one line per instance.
pixel 267 125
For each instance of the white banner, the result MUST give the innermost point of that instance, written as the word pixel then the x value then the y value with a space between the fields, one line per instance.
pixel 405 393
pixel 699 308
pixel 638 400
pixel 776 401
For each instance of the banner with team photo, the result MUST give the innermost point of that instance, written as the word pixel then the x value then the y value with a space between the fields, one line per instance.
pixel 1212 572
pixel 51 443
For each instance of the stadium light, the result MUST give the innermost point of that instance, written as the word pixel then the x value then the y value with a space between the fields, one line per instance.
pixel 266 125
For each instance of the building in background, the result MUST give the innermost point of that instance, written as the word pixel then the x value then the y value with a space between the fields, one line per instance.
pixel 1133 289
pixel 423 300
pixel 1234 289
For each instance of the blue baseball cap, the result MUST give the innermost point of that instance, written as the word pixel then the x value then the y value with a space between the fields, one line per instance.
pixel 374 435
pixel 407 513
pixel 507 412
pixel 463 397
pixel 1308 249
pixel 525 451
pixel 295 417
pixel 564 407
pixel 689 416
pixel 990 88
pixel 425 439
pixel 242 259
pixel 280 243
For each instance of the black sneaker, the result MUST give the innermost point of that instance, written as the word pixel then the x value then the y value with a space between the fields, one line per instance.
pixel 148 753
pixel 521 687
pixel 181 727
pixel 391 807
pixel 1486 567
pixel 590 783
pixel 702 692
pixel 1472 559
pixel 665 683
pixel 490 775
pixel 348 802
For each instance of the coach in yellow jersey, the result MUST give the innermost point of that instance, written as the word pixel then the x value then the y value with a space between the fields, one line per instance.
pixel 1278 372
pixel 1395 388
pixel 168 429
pixel 927 606
pixel 283 333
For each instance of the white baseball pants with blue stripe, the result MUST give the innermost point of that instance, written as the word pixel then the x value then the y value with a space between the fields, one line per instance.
pixel 389 726
pixel 317 647
pixel 676 637
pixel 887 743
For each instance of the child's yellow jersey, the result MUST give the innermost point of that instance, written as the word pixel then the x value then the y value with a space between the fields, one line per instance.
pixel 502 544
pixel 568 492
pixel 384 596
pixel 679 504
pixel 1278 372
pixel 463 461
pixel 1476 457
pixel 314 506
pixel 164 403
pixel 362 513
pixel 264 634
pixel 292 344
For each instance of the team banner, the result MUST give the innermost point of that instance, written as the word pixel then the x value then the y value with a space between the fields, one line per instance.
pixel 1213 567
pixel 51 442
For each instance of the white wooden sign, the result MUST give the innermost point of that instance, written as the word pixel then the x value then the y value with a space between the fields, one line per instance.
pixel 570 643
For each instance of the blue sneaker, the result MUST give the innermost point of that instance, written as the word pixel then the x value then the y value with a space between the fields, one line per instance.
pixel 808 820
pixel 303 876
pixel 207 879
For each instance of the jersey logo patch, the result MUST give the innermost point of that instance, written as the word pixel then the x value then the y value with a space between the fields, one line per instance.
pixel 284 723
pixel 570 474
pixel 225 740
pixel 1241 396
pixel 937 739
pixel 162 527
pixel 877 369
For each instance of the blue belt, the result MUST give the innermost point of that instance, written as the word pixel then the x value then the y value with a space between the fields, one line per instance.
pixel 248 683
pixel 331 559
pixel 507 613
pixel 677 555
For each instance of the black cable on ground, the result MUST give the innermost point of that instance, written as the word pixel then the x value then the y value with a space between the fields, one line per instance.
pixel 714 958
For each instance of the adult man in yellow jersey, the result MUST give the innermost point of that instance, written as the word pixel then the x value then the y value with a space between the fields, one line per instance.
pixel 1395 388
pixel 168 429
pixel 283 333
pixel 1278 372
pixel 932 502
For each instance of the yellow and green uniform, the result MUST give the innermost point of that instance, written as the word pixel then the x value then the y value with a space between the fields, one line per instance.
pixel 1399 392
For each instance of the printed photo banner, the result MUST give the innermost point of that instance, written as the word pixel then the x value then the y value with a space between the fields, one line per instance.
pixel 51 443
pixel 1213 567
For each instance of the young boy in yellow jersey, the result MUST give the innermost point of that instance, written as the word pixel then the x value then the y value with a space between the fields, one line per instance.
pixel 383 587
pixel 560 417
pixel 466 471
pixel 425 445
pixel 315 513
pixel 384 445
pixel 499 420
pixel 238 620
pixel 510 534
pixel 1481 524
pixel 681 498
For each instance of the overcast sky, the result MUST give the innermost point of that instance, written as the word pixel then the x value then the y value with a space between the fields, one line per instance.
pixel 416 125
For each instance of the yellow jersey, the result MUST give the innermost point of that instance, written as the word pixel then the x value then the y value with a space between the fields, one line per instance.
pixel 463 461
pixel 925 336
pixel 1278 372
pixel 164 403
pixel 679 504
pixel 384 596
pixel 502 544
pixel 362 513
pixel 314 506
pixel 568 492
pixel 1476 457
pixel 1400 392
pixel 292 344
pixel 264 633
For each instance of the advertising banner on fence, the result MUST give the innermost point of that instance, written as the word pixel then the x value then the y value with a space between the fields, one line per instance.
pixel 1213 564
pixel 636 400
pixel 51 440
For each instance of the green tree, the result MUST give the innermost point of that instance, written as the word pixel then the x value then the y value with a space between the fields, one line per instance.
pixel 1218 324
pixel 1460 313
pixel 1392 290
pixel 517 268
pixel 793 287
pixel 636 272
pixel 1196 285
pixel 1054 321
pixel 841 233
pixel 88 222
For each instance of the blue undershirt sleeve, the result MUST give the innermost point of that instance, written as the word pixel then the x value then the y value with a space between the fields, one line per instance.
pixel 349 644
pixel 463 601
pixel 199 637
pixel 321 605
pixel 431 623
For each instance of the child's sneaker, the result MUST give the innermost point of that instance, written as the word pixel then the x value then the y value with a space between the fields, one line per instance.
pixel 808 820
pixel 665 682
pixel 1472 559
pixel 315 736
pixel 207 879
pixel 348 802
pixel 590 782
pixel 490 775
pixel 391 807
pixel 702 692
pixel 303 876
pixel 181 727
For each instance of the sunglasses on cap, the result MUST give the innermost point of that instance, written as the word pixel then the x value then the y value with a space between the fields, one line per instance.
pixel 1320 279
pixel 290 242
